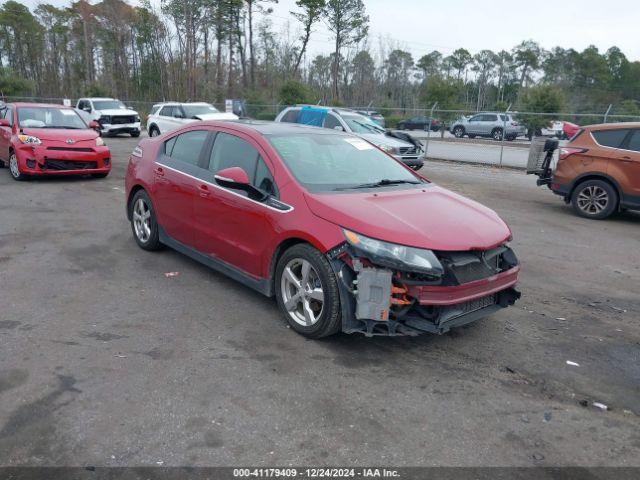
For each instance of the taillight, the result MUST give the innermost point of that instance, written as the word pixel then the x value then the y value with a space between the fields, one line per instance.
pixel 566 152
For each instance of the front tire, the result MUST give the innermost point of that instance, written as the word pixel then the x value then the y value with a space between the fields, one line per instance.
pixel 458 132
pixel 595 199
pixel 154 131
pixel 307 292
pixel 14 168
pixel 143 222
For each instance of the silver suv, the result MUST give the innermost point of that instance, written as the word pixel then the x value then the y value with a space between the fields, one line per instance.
pixel 411 154
pixel 490 125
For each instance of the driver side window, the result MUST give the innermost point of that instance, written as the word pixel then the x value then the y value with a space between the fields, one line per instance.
pixel 331 121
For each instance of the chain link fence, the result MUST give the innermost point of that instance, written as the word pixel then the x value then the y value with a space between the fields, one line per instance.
pixel 491 138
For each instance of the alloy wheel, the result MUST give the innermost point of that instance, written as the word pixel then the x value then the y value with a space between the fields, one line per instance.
pixel 13 166
pixel 302 292
pixel 142 220
pixel 592 200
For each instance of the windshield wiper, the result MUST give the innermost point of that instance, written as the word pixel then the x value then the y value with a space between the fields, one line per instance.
pixel 369 127
pixel 382 183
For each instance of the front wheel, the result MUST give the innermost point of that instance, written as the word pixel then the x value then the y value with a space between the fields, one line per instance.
pixel 458 132
pixel 14 168
pixel 307 292
pixel 154 131
pixel 135 134
pixel 595 199
pixel 143 222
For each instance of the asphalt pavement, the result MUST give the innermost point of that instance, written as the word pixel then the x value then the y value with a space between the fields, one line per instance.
pixel 104 360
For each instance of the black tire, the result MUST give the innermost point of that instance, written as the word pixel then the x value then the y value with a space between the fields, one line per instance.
pixel 594 199
pixel 152 241
pixel 154 131
pixel 458 132
pixel 330 319
pixel 135 134
pixel 14 168
pixel 99 175
pixel 472 136
pixel 1 163
pixel 496 134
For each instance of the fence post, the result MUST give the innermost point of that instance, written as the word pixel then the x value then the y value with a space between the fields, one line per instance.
pixel 504 134
pixel 426 146
pixel 606 114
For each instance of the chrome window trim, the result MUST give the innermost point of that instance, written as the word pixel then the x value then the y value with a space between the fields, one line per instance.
pixel 214 185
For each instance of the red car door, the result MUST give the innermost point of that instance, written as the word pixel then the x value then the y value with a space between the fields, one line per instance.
pixel 6 133
pixel 176 183
pixel 230 226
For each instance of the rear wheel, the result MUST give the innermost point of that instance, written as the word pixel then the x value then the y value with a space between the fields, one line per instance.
pixel 458 132
pixel 14 168
pixel 307 292
pixel 143 222
pixel 496 134
pixel 135 134
pixel 595 199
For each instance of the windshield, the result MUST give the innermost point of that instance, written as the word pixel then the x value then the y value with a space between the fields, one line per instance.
pixel 108 105
pixel 49 117
pixel 328 162
pixel 362 124
pixel 191 111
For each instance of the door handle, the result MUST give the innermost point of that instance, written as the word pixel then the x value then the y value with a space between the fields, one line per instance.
pixel 204 190
pixel 626 159
pixel 159 172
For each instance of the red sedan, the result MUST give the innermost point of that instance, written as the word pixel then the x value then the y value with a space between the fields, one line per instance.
pixel 45 139
pixel 343 235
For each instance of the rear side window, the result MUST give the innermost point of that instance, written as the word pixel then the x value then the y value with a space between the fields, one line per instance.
pixel 332 122
pixel 489 118
pixel 634 141
pixel 291 116
pixel 186 147
pixel 610 138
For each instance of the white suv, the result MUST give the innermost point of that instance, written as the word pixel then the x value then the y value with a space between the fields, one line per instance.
pixel 112 115
pixel 165 117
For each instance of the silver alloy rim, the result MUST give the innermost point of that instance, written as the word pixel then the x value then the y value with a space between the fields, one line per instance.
pixel 154 132
pixel 497 135
pixel 302 292
pixel 593 200
pixel 458 132
pixel 142 220
pixel 13 165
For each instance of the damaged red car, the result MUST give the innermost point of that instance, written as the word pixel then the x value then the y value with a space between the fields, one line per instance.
pixel 342 234
pixel 45 139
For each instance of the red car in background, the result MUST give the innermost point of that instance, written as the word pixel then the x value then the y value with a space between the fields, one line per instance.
pixel 345 237
pixel 46 139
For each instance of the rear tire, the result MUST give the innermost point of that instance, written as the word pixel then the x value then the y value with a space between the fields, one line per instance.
pixel 135 134
pixel 303 277
pixel 14 168
pixel 472 136
pixel 458 132
pixel 594 199
pixel 496 134
pixel 143 222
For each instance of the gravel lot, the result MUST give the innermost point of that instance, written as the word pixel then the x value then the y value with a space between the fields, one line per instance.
pixel 105 361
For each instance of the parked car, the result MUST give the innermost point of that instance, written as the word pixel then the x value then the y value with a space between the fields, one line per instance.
pixel 489 125
pixel 598 171
pixel 112 115
pixel 569 130
pixel 420 123
pixel 373 115
pixel 165 117
pixel 342 234
pixel 46 139
pixel 351 122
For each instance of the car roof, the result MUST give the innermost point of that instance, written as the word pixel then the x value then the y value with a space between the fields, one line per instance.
pixel 98 98
pixel 271 128
pixel 612 126
pixel 39 105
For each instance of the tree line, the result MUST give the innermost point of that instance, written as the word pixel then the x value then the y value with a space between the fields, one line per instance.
pixel 217 49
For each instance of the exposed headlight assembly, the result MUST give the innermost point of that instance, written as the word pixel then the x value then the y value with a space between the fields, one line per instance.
pixel 395 256
pixel 29 140
pixel 388 149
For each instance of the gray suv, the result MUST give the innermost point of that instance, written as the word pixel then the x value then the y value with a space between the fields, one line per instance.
pixel 490 125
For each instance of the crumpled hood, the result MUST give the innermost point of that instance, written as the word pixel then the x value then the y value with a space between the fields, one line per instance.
pixel 117 112
pixel 62 134
pixel 382 139
pixel 430 217
pixel 217 116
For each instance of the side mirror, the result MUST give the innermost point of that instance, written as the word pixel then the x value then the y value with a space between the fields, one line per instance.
pixel 87 109
pixel 235 178
pixel 94 125
pixel 4 122
pixel 339 128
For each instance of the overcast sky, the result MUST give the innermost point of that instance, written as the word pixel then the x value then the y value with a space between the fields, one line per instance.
pixel 425 25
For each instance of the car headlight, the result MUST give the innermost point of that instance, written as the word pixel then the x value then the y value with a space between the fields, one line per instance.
pixel 29 140
pixel 100 142
pixel 396 256
pixel 104 119
pixel 137 118
pixel 388 149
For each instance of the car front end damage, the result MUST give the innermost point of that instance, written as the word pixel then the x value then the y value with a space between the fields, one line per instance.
pixel 394 290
